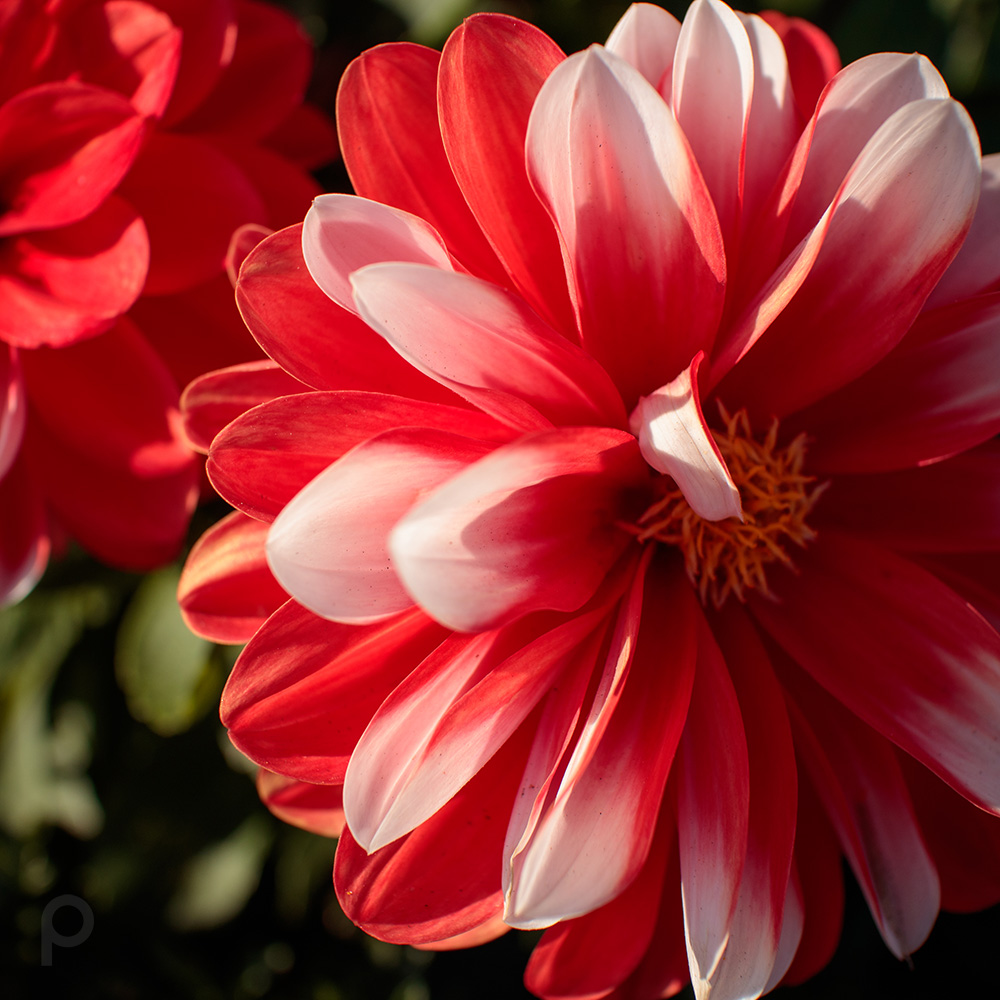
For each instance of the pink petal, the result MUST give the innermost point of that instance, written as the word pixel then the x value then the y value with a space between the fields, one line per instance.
pixel 950 506
pixel 640 234
pixel 342 233
pixel 934 395
pixel 316 808
pixel 311 338
pixel 391 142
pixel 860 782
pixel 711 92
pixel 329 546
pixel 303 690
pixel 520 370
pixel 483 128
pixel 530 527
pixel 812 57
pixel 62 285
pixel 975 269
pixel 448 718
pixel 674 439
pixel 64 147
pixel 214 400
pixel 264 457
pixel 899 649
pixel 915 187
pixel 440 880
pixel 15 407
pixel 713 803
pixel 646 36
pixel 567 850
pixel 226 591
pixel 760 919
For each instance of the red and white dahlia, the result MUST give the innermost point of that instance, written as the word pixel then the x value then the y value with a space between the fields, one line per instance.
pixel 626 452
pixel 135 137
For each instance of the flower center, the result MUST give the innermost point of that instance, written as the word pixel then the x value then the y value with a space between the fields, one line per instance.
pixel 728 556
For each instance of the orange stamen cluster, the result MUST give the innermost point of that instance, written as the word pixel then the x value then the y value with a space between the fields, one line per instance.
pixel 729 557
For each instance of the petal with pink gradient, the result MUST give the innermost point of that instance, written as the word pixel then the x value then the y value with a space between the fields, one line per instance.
pixel 567 852
pixel 15 406
pixel 646 36
pixel 303 690
pixel 316 808
pixel 899 649
pixel 713 807
pixel 674 439
pixel 639 230
pixel 533 526
pixel 329 545
pixel 522 371
pixel 483 128
pixel 441 725
pixel 226 591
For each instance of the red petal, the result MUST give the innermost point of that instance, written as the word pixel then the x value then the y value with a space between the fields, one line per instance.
pixel 303 690
pixel 115 471
pixel 391 143
pixel 316 808
pixel 483 128
pixel 616 173
pixel 310 337
pixel 191 197
pixel 64 147
pixel 858 778
pixel 13 409
pixel 901 650
pixel 713 806
pixel 265 79
pixel 306 137
pixel 211 402
pixel 440 880
pixel 934 395
pixel 813 59
pixel 226 591
pixel 24 542
pixel 950 506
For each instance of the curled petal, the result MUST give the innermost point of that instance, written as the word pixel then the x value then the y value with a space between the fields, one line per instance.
pixel 316 808
pixel 675 440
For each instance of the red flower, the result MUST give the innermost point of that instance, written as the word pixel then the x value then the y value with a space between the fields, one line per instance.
pixel 629 462
pixel 125 128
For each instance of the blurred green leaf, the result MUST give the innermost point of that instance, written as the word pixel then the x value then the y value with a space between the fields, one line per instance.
pixel 217 882
pixel 430 20
pixel 163 668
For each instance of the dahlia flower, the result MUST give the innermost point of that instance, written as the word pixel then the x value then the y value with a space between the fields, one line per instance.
pixel 126 126
pixel 626 453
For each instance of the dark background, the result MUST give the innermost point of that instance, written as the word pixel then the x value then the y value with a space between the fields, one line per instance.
pixel 117 785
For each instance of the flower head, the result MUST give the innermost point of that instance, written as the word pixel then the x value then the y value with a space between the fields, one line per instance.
pixel 626 452
pixel 134 139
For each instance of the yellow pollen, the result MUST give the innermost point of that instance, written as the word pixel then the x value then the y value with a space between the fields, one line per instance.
pixel 728 557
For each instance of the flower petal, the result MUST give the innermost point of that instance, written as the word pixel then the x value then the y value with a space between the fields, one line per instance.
pixel 448 718
pixel 316 808
pixel 646 36
pixel 214 400
pixel 640 235
pixel 226 591
pixel 530 527
pixel 483 128
pixel 387 117
pixel 329 546
pixel 14 410
pixel 674 439
pixel 24 542
pixel 812 57
pixel 314 340
pixel 860 782
pixel 521 370
pixel 713 805
pixel 567 851
pixel 342 233
pixel 303 690
pixel 901 650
